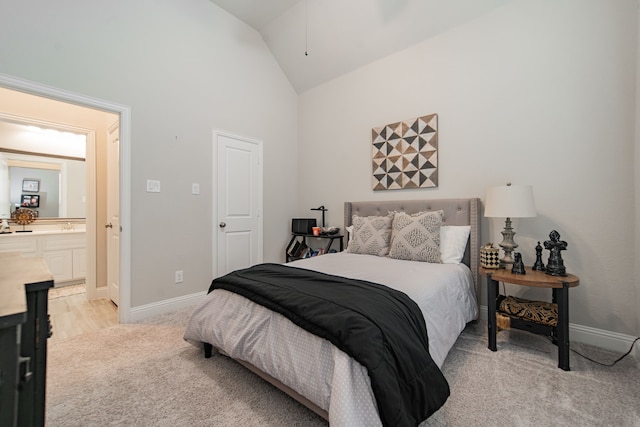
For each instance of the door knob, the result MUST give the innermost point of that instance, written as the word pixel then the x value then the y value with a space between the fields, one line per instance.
pixel 222 225
pixel 108 225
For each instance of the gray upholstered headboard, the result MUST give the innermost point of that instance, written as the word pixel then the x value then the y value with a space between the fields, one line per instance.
pixel 456 212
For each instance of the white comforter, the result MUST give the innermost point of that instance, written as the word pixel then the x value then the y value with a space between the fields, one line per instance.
pixel 313 366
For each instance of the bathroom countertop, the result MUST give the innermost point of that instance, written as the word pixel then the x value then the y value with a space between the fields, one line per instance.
pixel 42 232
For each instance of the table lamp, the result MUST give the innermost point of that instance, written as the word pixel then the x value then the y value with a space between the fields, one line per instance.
pixel 509 201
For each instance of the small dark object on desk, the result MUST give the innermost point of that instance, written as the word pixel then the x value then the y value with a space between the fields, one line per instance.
pixel 330 231
pixel 555 264
pixel 538 265
pixel 518 265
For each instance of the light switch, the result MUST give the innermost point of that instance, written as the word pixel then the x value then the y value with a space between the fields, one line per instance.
pixel 153 186
pixel 195 188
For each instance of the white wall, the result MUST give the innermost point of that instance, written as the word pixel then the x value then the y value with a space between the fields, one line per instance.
pixel 535 92
pixel 637 164
pixel 185 68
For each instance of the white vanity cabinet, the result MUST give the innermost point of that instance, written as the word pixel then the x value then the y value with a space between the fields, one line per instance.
pixel 64 251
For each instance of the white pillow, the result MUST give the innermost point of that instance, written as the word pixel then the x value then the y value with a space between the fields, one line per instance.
pixel 453 242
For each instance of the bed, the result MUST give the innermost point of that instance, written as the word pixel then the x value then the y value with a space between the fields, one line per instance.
pixel 314 370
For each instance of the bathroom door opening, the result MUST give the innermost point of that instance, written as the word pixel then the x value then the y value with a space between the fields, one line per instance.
pixel 95 224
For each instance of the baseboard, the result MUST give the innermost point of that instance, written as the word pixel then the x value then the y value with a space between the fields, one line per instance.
pixel 612 341
pixel 145 311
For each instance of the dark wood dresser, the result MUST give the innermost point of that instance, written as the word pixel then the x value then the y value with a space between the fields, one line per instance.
pixel 24 329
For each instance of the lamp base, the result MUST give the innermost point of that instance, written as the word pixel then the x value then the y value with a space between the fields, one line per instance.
pixel 507 245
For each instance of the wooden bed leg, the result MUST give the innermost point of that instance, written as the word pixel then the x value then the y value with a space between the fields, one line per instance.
pixel 208 349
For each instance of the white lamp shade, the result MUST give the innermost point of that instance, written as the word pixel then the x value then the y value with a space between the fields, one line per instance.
pixel 510 201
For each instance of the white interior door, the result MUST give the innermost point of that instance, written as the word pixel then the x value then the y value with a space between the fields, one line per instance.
pixel 238 195
pixel 113 212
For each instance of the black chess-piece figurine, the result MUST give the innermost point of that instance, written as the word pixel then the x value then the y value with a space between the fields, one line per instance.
pixel 518 265
pixel 555 264
pixel 538 265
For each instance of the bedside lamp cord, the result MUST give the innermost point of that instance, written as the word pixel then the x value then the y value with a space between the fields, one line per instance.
pixel 606 364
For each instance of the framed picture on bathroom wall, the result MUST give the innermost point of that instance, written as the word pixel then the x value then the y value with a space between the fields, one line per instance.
pixel 31 185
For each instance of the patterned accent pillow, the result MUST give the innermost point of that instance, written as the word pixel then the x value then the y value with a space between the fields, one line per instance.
pixel 371 235
pixel 416 237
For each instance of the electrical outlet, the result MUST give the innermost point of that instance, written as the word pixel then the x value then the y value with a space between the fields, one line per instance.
pixel 179 276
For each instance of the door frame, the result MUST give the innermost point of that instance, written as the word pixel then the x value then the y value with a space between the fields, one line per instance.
pixel 217 133
pixel 15 83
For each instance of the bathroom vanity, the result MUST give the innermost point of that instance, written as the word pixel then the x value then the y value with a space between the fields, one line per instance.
pixel 64 251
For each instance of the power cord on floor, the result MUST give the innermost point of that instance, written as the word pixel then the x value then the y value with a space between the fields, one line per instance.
pixel 605 364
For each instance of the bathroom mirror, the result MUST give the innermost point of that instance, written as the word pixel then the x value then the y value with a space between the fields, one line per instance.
pixel 61 186
pixel 51 182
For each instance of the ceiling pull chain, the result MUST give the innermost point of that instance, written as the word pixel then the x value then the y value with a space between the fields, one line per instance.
pixel 306 28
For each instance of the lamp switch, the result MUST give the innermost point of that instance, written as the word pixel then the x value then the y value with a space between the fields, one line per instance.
pixel 195 188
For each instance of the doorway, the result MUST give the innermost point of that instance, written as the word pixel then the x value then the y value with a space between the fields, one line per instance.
pixel 49 94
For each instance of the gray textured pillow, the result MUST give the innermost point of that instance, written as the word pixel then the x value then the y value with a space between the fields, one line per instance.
pixel 371 235
pixel 416 237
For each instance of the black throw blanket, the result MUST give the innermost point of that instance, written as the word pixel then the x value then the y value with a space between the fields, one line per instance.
pixel 382 328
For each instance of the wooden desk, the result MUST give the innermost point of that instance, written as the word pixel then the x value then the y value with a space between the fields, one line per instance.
pixel 560 287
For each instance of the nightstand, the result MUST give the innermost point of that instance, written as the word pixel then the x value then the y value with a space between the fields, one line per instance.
pixel 303 239
pixel 560 296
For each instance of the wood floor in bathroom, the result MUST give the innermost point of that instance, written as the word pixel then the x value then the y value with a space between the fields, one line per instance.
pixel 73 315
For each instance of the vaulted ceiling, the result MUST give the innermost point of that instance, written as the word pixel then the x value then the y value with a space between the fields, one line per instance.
pixel 343 35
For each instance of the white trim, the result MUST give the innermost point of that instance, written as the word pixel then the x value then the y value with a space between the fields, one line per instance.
pixel 91 215
pixel 148 310
pixel 38 89
pixel 43 123
pixel 612 341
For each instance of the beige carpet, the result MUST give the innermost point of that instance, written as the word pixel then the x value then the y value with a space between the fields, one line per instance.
pixel 146 375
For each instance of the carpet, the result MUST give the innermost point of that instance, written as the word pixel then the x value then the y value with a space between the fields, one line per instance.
pixel 147 375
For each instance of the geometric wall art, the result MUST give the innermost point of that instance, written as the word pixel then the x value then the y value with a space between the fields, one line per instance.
pixel 405 154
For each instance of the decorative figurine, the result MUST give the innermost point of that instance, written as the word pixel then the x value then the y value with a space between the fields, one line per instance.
pixel 555 264
pixel 518 265
pixel 538 265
